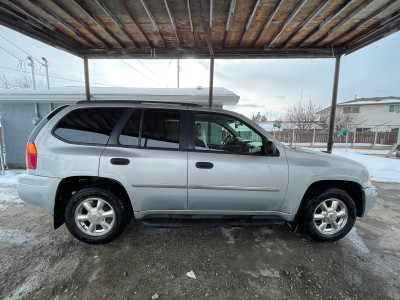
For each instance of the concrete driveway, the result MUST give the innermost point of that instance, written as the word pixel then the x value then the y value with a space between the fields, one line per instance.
pixel 38 262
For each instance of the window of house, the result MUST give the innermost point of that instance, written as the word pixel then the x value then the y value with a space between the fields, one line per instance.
pixel 223 133
pixel 351 109
pixel 88 125
pixel 394 108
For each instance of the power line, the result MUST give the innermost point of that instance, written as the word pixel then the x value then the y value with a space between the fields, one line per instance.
pixel 21 49
pixel 149 69
pixel 61 78
pixel 140 72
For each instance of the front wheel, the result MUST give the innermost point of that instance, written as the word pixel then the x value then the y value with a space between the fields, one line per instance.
pixel 329 216
pixel 95 216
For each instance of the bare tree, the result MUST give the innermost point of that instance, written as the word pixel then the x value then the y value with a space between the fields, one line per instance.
pixel 4 82
pixel 302 115
pixel 341 119
pixel 20 82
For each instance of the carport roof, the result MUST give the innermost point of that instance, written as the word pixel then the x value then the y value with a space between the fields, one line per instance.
pixel 178 29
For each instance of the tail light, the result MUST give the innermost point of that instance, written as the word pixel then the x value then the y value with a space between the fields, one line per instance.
pixel 31 155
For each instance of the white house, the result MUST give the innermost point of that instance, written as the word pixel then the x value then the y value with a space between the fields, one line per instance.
pixel 371 113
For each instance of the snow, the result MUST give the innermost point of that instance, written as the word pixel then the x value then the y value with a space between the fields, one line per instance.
pixel 381 169
pixel 386 101
pixel 11 176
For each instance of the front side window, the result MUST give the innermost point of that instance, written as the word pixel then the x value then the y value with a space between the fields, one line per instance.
pixel 88 125
pixel 160 129
pixel 224 133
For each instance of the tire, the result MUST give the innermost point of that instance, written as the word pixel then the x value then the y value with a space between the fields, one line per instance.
pixel 322 222
pixel 96 216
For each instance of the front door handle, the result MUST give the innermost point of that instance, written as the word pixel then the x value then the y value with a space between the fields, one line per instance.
pixel 119 161
pixel 204 165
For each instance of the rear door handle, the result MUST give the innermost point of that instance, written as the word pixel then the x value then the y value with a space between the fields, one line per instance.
pixel 119 161
pixel 204 165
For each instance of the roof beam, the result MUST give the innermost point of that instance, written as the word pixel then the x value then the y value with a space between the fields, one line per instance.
pixel 19 13
pixel 36 34
pixel 99 38
pixel 211 13
pixel 61 22
pixel 392 28
pixel 250 20
pixel 114 19
pixel 190 19
pixel 229 53
pixel 231 13
pixel 365 21
pixel 97 22
pixel 269 20
pixel 205 28
pixel 30 16
pixel 342 23
pixel 153 21
pixel 323 23
pixel 172 21
pixel 306 21
pixel 125 8
pixel 385 23
pixel 291 17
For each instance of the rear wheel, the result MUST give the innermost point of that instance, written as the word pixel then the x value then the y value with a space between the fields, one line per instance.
pixel 329 216
pixel 95 216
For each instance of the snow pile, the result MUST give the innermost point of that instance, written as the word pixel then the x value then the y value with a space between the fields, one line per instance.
pixel 11 176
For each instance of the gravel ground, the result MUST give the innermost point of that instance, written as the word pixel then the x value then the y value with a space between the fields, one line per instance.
pixel 270 262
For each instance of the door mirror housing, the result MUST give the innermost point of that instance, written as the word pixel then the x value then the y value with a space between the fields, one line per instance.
pixel 270 148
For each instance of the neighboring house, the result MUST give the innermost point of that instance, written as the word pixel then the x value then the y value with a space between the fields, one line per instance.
pixel 371 113
pixel 18 111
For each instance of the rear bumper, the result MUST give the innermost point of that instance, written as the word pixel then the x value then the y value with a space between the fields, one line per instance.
pixel 38 190
pixel 370 196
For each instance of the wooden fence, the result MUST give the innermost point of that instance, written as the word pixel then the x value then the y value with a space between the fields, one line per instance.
pixel 306 136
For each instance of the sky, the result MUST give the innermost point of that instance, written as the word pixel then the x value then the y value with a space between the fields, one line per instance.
pixel 268 86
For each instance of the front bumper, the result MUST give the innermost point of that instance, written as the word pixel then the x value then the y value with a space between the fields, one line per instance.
pixel 38 190
pixel 370 195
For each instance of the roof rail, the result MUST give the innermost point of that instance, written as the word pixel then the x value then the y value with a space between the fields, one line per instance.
pixel 136 102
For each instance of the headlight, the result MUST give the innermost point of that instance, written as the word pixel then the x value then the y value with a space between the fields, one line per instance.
pixel 368 179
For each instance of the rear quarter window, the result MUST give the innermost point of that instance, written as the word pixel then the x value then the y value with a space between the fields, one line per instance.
pixel 88 125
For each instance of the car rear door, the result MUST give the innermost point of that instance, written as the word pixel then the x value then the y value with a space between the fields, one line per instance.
pixel 148 155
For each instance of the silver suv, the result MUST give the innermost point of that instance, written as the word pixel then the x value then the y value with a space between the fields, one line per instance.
pixel 94 164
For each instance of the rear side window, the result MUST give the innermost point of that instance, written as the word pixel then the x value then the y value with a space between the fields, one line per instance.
pixel 88 125
pixel 160 129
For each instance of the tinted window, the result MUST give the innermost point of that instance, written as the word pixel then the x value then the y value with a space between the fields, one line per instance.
pixel 130 134
pixel 224 133
pixel 160 129
pixel 88 125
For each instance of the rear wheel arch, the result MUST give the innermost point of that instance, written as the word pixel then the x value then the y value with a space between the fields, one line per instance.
pixel 70 185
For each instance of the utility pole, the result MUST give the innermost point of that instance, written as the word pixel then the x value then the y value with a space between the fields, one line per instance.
pixel 32 65
pixel 46 66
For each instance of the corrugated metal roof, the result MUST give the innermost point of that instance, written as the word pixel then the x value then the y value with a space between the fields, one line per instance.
pixel 175 28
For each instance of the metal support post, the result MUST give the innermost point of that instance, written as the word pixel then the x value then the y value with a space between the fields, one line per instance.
pixel 210 95
pixel 333 105
pixel 177 74
pixel 32 64
pixel 86 70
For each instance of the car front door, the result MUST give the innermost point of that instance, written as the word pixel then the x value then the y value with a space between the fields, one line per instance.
pixel 148 156
pixel 228 169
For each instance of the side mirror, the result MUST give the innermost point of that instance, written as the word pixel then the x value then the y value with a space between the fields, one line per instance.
pixel 270 148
